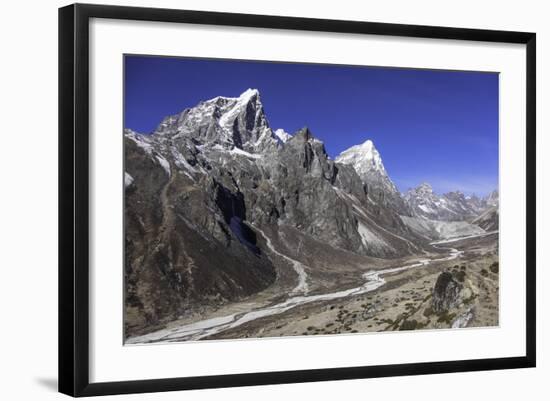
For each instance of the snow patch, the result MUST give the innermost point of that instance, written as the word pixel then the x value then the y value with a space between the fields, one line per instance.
pixel 141 141
pixel 128 180
pixel 282 135
pixel 228 118
pixel 183 164
pixel 240 152
pixel 164 163
pixel 236 152
pixel 425 209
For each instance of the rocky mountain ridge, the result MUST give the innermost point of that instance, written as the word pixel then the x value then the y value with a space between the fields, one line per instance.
pixel 228 122
pixel 451 206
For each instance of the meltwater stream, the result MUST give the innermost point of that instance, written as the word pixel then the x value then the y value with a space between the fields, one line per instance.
pixel 205 328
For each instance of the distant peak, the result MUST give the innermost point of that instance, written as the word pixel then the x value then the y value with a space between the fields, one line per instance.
pixel 368 144
pixel 366 160
pixel 366 148
pixel 249 94
pixel 244 97
pixel 364 152
pixel 424 187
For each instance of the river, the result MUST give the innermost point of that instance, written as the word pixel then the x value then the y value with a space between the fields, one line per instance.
pixel 195 331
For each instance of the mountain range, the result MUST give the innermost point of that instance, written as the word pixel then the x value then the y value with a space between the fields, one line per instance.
pixel 214 190
pixel 452 206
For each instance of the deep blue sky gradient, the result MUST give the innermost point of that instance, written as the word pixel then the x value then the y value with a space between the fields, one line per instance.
pixel 435 126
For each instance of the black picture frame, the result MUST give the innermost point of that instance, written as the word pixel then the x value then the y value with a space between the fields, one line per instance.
pixel 74 198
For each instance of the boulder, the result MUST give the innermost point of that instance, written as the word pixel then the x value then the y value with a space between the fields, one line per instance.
pixel 446 293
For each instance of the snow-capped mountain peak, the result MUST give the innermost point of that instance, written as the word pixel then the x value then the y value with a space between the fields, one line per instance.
pixel 282 135
pixel 364 158
pixel 230 122
pixel 239 105
pixel 245 97
pixel 452 206
pixel 424 188
pixel 367 162
pixel 248 94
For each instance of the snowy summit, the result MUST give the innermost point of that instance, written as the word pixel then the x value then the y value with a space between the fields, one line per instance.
pixel 364 157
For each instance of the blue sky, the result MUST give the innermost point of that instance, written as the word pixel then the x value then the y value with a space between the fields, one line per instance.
pixel 430 126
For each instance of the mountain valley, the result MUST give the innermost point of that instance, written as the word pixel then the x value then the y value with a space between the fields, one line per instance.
pixel 234 229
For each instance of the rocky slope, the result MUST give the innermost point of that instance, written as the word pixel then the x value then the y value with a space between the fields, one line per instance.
pixel 488 220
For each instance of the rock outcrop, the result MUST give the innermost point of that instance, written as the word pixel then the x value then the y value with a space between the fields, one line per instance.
pixel 446 293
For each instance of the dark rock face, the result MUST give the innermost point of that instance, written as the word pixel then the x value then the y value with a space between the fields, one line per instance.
pixel 175 226
pixel 446 293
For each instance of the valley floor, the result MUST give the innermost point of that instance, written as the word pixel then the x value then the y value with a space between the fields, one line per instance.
pixel 396 295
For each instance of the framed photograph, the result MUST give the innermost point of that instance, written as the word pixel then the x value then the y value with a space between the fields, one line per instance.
pixel 251 199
